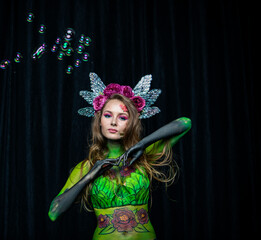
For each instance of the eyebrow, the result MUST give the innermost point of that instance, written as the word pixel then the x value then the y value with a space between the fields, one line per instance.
pixel 119 113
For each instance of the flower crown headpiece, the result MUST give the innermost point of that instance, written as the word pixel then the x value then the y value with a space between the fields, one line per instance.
pixel 140 95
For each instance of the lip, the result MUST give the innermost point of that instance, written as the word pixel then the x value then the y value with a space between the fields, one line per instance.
pixel 112 130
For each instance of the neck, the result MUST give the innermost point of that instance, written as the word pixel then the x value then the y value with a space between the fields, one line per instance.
pixel 115 148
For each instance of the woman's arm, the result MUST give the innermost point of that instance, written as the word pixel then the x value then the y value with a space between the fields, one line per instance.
pixel 63 201
pixel 159 145
pixel 172 131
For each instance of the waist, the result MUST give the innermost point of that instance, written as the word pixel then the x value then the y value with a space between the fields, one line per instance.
pixel 130 221
pixel 111 210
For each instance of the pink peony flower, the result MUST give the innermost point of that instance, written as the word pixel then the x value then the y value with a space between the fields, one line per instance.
pixel 99 101
pixel 127 91
pixel 143 216
pixel 139 103
pixel 112 89
pixel 124 220
pixel 103 221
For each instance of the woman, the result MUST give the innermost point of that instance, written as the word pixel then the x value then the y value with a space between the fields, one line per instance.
pixel 117 175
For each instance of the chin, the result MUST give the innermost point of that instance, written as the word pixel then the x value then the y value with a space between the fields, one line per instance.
pixel 113 137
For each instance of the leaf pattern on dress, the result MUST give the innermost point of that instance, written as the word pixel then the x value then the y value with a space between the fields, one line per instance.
pixel 133 190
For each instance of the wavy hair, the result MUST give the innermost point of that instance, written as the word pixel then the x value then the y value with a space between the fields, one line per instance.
pixel 150 162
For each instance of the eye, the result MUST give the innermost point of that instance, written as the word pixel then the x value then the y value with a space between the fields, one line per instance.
pixel 107 115
pixel 123 118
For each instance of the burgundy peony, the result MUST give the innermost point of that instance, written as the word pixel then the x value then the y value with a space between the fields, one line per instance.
pixel 124 220
pixel 127 91
pixel 99 101
pixel 112 88
pixel 103 221
pixel 139 102
pixel 143 216
pixel 126 171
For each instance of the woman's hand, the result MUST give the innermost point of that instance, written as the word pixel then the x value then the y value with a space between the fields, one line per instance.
pixel 134 153
pixel 105 164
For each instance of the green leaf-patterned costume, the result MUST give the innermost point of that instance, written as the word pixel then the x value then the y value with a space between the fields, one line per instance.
pixel 120 199
pixel 124 186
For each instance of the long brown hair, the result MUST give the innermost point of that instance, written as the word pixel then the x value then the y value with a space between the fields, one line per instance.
pixel 150 162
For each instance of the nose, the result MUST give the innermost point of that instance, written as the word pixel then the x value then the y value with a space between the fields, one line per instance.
pixel 113 121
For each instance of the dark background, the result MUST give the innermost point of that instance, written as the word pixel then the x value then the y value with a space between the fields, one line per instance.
pixel 200 54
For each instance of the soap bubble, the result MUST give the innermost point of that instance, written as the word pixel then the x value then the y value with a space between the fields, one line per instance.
pixel 54 48
pixel 69 51
pixel 65 45
pixel 18 57
pixel 39 51
pixel 58 40
pixel 42 29
pixel 80 49
pixel 82 38
pixel 69 69
pixel 85 57
pixel 60 55
pixel 4 64
pixel 77 63
pixel 69 34
pixel 30 17
pixel 87 41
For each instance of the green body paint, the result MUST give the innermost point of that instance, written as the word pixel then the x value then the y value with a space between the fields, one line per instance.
pixel 128 222
pixel 120 200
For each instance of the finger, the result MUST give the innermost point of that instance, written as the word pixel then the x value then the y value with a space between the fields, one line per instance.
pixel 125 160
pixel 118 161
pixel 132 161
pixel 107 162
pixel 105 165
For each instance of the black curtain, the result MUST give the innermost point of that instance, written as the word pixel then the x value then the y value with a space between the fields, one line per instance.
pixel 200 54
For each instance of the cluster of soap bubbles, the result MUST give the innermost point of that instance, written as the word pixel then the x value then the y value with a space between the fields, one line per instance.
pixel 4 64
pixel 62 47
pixel 30 17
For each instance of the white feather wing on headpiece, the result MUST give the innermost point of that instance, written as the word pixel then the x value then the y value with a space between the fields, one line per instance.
pixel 97 84
pixel 143 86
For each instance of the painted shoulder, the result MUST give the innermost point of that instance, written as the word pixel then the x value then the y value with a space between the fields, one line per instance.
pixel 80 170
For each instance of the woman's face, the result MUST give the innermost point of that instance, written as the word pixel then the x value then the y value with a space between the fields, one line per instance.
pixel 114 119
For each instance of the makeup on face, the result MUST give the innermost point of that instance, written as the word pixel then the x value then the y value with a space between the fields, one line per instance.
pixel 124 108
pixel 114 120
pixel 121 117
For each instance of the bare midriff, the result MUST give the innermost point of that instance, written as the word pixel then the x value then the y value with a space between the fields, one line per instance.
pixel 125 222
